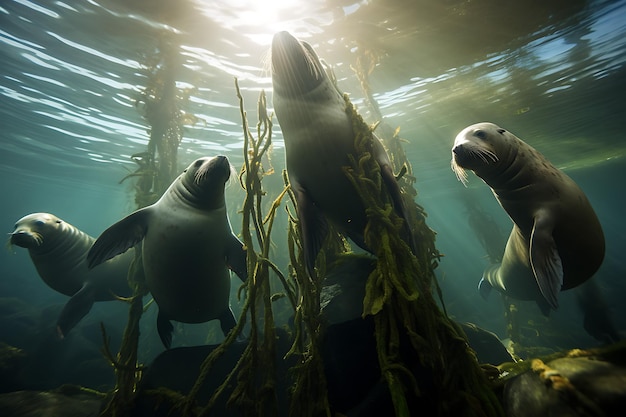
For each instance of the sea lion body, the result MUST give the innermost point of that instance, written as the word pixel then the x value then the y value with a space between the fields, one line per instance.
pixel 319 138
pixel 188 247
pixel 557 241
pixel 58 251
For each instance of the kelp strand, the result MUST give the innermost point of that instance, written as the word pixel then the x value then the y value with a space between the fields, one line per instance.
pixel 398 296
pixel 157 169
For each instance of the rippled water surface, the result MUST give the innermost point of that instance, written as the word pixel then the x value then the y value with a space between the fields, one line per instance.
pixel 552 72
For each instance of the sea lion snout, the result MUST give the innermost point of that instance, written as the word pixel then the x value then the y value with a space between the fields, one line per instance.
pixel 25 239
pixel 217 167
pixel 473 150
pixel 296 69
pixel 460 154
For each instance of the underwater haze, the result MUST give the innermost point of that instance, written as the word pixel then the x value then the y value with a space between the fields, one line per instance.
pixel 553 72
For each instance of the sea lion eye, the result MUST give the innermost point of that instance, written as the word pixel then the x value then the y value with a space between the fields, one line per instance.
pixel 480 134
pixel 39 223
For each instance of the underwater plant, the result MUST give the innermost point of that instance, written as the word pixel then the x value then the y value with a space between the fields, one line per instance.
pixel 399 293
pixel 157 168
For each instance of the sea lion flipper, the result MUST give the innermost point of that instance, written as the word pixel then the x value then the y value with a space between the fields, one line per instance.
pixel 165 329
pixel 119 237
pixel 546 261
pixel 236 258
pixel 75 309
pixel 484 288
pixel 227 321
pixel 313 225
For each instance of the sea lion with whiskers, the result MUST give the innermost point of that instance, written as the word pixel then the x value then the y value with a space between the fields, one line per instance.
pixel 59 252
pixel 319 140
pixel 188 247
pixel 557 241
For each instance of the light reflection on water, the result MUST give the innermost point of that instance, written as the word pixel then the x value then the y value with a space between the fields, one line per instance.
pixel 51 60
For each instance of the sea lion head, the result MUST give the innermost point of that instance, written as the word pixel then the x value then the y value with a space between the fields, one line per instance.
pixel 30 230
pixel 205 179
pixel 479 148
pixel 296 68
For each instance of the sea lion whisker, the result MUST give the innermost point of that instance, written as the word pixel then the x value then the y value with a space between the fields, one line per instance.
pixel 460 173
pixel 485 155
pixel 9 244
pixel 312 67
pixel 201 173
pixel 492 156
pixel 479 154
pixel 38 238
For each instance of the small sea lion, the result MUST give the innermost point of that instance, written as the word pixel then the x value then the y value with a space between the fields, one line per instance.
pixel 188 247
pixel 556 242
pixel 59 252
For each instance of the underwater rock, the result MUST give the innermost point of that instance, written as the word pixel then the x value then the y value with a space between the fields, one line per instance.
pixel 567 387
pixel 177 369
pixel 47 361
pixel 11 361
pixel 58 403
pixel 487 346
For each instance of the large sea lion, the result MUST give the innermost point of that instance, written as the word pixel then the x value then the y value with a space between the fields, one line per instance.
pixel 319 137
pixel 59 252
pixel 188 248
pixel 557 242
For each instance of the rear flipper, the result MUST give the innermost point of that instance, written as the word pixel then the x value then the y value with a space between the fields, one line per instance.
pixel 165 329
pixel 75 309
pixel 228 322
pixel 484 288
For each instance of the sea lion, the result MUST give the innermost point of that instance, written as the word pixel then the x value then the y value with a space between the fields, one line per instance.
pixel 556 242
pixel 59 252
pixel 319 137
pixel 188 248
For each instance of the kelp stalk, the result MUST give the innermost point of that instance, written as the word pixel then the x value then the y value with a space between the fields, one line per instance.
pixel 398 296
pixel 157 169
pixel 253 366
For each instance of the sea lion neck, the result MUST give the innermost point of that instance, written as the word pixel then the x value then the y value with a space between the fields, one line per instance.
pixel 206 195
pixel 505 174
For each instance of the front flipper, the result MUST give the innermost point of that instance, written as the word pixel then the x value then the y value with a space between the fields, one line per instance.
pixel 119 237
pixel 313 225
pixel 75 309
pixel 165 329
pixel 545 260
pixel 236 258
